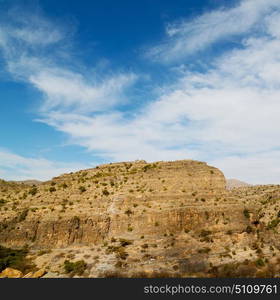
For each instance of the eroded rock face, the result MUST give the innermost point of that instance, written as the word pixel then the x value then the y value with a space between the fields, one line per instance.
pixel 143 199
pixel 173 214
pixel 11 273
pixel 14 273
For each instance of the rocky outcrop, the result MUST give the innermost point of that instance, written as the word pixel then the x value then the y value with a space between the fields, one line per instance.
pixel 11 273
pixel 148 216
pixel 234 183
pixel 140 195
pixel 14 273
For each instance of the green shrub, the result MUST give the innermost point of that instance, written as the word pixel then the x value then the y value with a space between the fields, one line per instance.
pixel 125 242
pixel 249 229
pixel 82 189
pixel 75 268
pixel 33 191
pixel 204 250
pixel 246 213
pixel 23 215
pixel 273 223
pixel 205 233
pixel 105 192
pixel 15 258
pixel 145 246
pixel 259 262
pixel 52 189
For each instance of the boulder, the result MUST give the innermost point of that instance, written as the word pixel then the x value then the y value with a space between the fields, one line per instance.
pixel 11 273
pixel 39 273
pixel 28 275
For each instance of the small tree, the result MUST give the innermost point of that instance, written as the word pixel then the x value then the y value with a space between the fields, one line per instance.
pixel 82 189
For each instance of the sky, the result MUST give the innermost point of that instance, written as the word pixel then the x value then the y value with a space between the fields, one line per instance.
pixel 89 82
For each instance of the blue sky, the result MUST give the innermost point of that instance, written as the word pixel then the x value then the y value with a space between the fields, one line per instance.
pixel 89 82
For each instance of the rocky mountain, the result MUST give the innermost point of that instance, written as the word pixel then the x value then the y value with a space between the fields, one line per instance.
pixel 29 182
pixel 234 183
pixel 138 219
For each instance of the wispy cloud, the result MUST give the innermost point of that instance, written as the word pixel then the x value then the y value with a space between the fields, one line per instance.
pixel 66 90
pixel 191 36
pixel 226 115
pixel 16 167
pixel 260 168
pixel 35 51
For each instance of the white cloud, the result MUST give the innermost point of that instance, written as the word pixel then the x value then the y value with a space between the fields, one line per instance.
pixel 191 36
pixel 16 167
pixel 228 115
pixel 64 89
pixel 260 168
pixel 35 52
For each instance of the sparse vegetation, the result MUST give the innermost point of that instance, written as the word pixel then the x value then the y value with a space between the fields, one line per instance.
pixel 82 189
pixel 199 228
pixel 75 268
pixel 105 192
pixel 15 258
pixel 246 213
pixel 52 189
pixel 33 191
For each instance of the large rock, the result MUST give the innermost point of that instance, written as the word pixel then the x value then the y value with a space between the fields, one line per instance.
pixel 11 273
pixel 38 274
pixel 110 200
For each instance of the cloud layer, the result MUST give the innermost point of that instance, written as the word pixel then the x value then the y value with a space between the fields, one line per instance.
pixel 191 36
pixel 16 167
pixel 226 115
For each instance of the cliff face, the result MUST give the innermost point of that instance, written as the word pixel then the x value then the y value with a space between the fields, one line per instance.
pixel 120 200
pixel 181 207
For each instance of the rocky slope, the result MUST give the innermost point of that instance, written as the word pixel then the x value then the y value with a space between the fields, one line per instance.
pixel 139 219
pixel 234 183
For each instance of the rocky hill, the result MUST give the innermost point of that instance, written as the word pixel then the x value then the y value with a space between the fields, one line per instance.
pixel 234 183
pixel 135 219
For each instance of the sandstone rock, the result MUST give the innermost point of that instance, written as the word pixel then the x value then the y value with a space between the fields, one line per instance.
pixel 28 275
pixel 36 274
pixel 11 273
pixel 179 182
pixel 53 275
pixel 39 273
pixel 138 218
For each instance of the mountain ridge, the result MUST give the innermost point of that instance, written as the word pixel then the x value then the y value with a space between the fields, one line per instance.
pixel 143 219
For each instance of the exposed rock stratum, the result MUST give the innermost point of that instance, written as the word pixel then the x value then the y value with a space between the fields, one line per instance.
pixel 143 219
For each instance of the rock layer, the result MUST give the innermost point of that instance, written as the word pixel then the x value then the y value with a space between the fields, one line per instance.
pixel 172 215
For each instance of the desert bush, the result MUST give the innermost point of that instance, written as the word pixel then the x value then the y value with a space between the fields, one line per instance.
pixel 15 258
pixel 75 268
pixel 273 223
pixel 33 191
pixel 125 242
pixel 82 189
pixel 52 189
pixel 204 250
pixel 23 215
pixel 249 229
pixel 64 185
pixel 128 212
pixel 105 192
pixel 246 213
pixel 259 262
